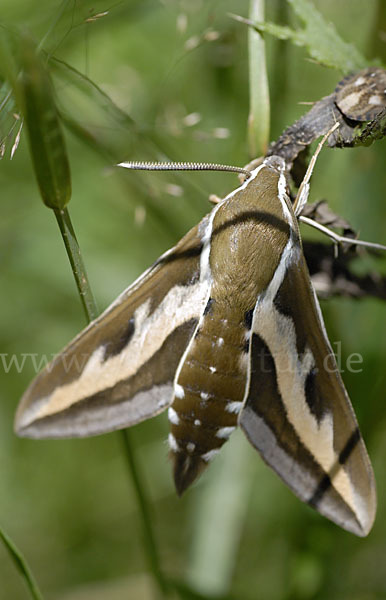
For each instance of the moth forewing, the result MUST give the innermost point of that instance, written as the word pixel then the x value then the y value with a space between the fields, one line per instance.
pixel 297 412
pixel 120 369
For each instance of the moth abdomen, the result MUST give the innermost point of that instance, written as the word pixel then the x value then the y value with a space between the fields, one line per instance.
pixel 209 391
pixel 193 444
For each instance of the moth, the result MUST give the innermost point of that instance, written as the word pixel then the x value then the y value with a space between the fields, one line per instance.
pixel 224 330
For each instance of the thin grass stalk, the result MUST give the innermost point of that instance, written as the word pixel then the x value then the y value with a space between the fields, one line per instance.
pixel 91 311
pixel 22 566
pixel 78 269
pixel 259 105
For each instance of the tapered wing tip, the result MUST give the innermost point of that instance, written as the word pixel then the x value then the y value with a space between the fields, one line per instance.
pixel 357 510
pixel 186 469
pixel 361 529
pixel 27 425
pixel 365 520
pixel 21 424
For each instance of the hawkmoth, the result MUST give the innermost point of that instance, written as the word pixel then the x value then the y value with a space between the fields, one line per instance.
pixel 224 330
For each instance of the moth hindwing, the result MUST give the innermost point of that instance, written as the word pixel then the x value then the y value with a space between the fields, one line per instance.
pixel 225 330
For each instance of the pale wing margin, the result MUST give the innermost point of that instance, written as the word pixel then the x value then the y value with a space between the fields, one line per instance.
pixel 297 412
pixel 120 369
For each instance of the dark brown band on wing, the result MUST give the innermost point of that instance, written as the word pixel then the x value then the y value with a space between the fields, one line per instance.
pixel 326 481
pixel 352 441
pixel 284 303
pixel 317 496
pixel 112 348
pixel 265 400
pixel 314 398
pixel 188 253
pixel 158 370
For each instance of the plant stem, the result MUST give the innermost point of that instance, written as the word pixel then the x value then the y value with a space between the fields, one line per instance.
pixel 91 311
pixel 22 566
pixel 147 531
pixel 259 106
pixel 77 265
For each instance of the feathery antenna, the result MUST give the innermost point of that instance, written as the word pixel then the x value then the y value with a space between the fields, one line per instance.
pixel 181 166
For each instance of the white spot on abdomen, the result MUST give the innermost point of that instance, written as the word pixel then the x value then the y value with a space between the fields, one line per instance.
pixel 208 456
pixel 179 391
pixel 234 407
pixel 224 432
pixel 173 417
pixel 173 443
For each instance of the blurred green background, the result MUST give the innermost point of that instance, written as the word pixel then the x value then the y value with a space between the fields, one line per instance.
pixel 69 505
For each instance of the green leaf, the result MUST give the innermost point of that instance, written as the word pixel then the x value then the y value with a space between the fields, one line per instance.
pixel 320 38
pixel 46 142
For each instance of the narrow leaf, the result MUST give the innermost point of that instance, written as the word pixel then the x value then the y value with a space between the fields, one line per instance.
pixel 41 118
pixel 21 566
pixel 218 520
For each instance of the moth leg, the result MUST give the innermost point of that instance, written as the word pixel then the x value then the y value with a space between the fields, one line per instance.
pixel 304 189
pixel 340 239
pixel 253 164
pixel 213 199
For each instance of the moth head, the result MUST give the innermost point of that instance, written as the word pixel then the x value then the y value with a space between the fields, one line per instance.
pixel 277 163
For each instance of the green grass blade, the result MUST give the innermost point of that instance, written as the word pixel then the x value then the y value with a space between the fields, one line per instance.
pixel 73 77
pixel 218 519
pixel 91 311
pixel 46 141
pixel 77 265
pixel 21 565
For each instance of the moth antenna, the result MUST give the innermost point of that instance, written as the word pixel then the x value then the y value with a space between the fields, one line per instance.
pixel 302 195
pixel 340 239
pixel 182 166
